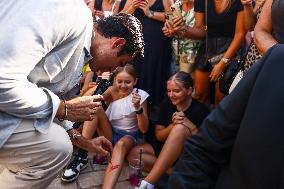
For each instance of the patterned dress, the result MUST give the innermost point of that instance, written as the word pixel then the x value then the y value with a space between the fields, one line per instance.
pixel 252 54
pixel 182 47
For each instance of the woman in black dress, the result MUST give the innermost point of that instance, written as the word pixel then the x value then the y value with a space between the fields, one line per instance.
pixel 225 30
pixel 154 68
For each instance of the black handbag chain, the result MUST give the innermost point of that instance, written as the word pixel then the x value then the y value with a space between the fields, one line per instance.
pixel 206 29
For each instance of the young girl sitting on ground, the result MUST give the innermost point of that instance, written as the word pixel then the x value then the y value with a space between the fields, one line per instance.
pixel 125 116
pixel 174 126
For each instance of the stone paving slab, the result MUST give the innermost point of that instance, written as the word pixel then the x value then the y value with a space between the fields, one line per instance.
pixel 92 177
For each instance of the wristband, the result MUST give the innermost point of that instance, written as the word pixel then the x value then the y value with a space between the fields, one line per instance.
pixel 65 112
pixel 140 111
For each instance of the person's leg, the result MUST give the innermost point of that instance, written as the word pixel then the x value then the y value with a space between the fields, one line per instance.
pixel 100 123
pixel 201 85
pixel 148 156
pixel 218 94
pixel 104 127
pixel 169 154
pixel 120 150
pixel 32 159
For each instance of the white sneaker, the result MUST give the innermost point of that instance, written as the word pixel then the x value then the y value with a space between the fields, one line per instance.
pixel 145 185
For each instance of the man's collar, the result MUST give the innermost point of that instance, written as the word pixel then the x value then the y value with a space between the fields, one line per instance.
pixel 87 45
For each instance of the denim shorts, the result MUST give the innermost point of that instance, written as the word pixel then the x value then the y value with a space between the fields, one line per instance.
pixel 117 134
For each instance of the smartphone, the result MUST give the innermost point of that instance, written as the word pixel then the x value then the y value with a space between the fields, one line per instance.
pixel 176 9
pixel 169 16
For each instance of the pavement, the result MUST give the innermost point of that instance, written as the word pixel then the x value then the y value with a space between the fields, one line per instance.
pixel 92 177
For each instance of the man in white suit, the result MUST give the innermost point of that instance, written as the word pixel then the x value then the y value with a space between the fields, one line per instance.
pixel 43 47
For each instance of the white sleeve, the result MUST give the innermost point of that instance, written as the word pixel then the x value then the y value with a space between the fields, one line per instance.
pixel 28 33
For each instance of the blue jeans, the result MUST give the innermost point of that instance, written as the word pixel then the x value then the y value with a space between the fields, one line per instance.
pixel 117 134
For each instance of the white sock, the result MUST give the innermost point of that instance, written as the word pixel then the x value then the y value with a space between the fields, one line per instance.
pixel 146 185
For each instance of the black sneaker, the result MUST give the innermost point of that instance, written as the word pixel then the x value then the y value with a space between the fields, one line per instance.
pixel 72 171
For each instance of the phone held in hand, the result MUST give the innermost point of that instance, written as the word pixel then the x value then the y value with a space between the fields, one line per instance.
pixel 102 86
pixel 176 8
pixel 169 16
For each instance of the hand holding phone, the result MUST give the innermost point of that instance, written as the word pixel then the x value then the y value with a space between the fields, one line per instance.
pixel 176 9
pixel 169 16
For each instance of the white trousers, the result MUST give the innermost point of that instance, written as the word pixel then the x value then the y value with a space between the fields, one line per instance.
pixel 32 160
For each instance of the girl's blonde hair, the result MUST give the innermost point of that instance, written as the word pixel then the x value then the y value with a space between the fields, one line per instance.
pixel 128 68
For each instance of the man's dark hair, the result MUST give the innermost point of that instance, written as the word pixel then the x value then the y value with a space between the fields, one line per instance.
pixel 125 26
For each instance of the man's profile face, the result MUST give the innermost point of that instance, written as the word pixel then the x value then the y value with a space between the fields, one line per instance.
pixel 107 60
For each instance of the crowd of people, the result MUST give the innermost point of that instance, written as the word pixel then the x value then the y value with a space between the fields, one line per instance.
pixel 140 79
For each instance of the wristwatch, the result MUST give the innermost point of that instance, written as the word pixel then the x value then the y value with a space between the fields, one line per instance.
pixel 151 14
pixel 225 60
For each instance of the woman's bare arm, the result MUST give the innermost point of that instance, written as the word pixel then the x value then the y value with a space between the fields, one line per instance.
pixel 263 29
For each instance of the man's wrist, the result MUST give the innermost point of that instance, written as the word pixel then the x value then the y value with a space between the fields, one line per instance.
pixel 77 139
pixel 63 111
pixel 74 134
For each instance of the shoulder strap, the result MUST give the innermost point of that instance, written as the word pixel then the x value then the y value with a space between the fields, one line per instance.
pixel 98 4
pixel 121 5
pixel 206 26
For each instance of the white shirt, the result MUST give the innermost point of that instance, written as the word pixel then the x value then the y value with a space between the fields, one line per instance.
pixel 41 57
pixel 121 112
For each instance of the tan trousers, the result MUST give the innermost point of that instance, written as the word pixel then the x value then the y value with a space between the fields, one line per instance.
pixel 32 159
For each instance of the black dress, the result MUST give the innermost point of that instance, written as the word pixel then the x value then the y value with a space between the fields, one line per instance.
pixel 277 17
pixel 98 4
pixel 154 69
pixel 196 113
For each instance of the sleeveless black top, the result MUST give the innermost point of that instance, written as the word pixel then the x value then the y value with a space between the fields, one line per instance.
pixel 277 16
pixel 98 4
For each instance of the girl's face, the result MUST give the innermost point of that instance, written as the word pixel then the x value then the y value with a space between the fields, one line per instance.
pixel 125 82
pixel 177 93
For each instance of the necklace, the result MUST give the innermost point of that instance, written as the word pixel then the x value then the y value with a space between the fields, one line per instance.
pixel 181 108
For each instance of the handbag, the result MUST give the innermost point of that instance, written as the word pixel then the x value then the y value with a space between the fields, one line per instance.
pixel 229 74
pixel 237 79
pixel 233 73
pixel 212 50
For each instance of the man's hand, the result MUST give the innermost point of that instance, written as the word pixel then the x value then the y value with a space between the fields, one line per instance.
pixel 80 108
pixel 100 145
